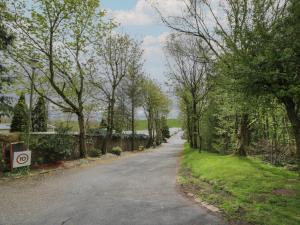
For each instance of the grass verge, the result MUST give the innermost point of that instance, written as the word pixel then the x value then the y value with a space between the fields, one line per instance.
pixel 244 189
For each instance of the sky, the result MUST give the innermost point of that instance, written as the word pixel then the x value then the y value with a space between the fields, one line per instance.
pixel 139 19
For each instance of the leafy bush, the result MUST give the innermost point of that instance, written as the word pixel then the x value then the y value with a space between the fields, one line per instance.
pixel 165 128
pixel 54 147
pixel 166 132
pixel 116 150
pixel 94 152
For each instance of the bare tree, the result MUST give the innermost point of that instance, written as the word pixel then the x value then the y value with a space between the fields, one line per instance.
pixel 113 56
pixel 190 69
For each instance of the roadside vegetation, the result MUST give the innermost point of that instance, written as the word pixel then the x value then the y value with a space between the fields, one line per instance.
pixel 244 189
pixel 68 56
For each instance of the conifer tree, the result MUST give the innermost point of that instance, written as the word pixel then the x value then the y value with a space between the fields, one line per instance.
pixel 20 119
pixel 39 116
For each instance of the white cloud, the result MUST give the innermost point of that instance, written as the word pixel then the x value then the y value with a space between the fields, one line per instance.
pixel 141 14
pixel 153 46
pixel 169 7
pixel 144 13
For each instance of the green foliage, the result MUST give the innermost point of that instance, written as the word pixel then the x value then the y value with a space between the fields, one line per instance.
pixel 54 147
pixel 39 116
pixel 94 152
pixel 6 40
pixel 172 123
pixel 18 172
pixel 20 118
pixel 116 150
pixel 165 128
pixel 244 188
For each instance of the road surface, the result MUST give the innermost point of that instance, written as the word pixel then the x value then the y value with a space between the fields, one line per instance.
pixel 136 190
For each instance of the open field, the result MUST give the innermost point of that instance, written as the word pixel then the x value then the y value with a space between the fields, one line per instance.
pixel 243 188
pixel 140 124
pixel 172 123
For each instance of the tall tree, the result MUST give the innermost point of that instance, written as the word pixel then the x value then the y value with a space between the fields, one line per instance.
pixel 113 57
pixel 19 121
pixel 277 64
pixel 40 116
pixel 5 40
pixel 133 85
pixel 156 106
pixel 189 72
pixel 58 34
pixel 233 38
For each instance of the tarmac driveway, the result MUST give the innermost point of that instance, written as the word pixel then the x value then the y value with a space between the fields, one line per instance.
pixel 138 190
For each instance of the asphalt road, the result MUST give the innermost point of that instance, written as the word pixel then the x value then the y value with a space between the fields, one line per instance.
pixel 138 190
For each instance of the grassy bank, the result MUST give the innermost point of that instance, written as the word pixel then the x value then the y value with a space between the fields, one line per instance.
pixel 243 188
pixel 140 124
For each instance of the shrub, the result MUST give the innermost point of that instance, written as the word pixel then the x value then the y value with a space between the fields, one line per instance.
pixel 116 150
pixel 94 152
pixel 166 132
pixel 54 147
pixel 165 128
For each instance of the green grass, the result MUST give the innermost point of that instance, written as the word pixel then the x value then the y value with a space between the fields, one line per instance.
pixel 172 123
pixel 243 188
pixel 73 124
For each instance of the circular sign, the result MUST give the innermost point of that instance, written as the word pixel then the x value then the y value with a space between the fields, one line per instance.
pixel 22 158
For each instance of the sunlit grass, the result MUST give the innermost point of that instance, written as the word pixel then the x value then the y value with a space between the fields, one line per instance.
pixel 243 188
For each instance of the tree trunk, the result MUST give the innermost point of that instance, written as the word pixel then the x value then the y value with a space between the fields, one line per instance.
pixel 189 128
pixel 297 137
pixel 82 136
pixel 150 129
pixel 194 125
pixel 243 135
pixel 295 122
pixel 132 127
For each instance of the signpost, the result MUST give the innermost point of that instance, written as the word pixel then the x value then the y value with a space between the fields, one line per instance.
pixel 19 157
pixel 22 159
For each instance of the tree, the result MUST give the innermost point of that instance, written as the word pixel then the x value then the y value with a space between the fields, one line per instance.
pixel 113 57
pixel 156 106
pixel 39 116
pixel 277 62
pixel 189 71
pixel 19 121
pixel 5 40
pixel 133 85
pixel 61 35
pixel 233 39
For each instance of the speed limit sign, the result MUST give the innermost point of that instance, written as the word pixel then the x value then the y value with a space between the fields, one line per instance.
pixel 22 159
